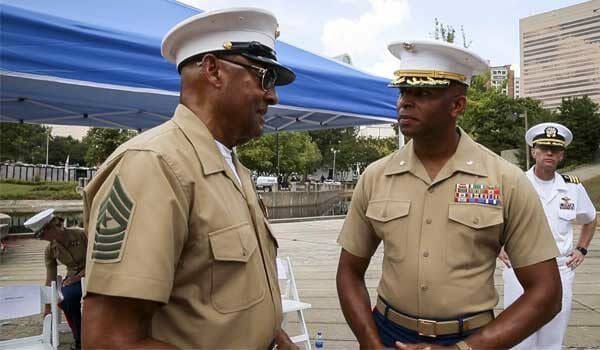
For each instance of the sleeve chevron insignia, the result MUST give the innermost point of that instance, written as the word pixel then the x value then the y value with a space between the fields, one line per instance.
pixel 111 226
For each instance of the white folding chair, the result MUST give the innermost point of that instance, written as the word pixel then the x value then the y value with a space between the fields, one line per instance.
pixel 291 301
pixel 25 300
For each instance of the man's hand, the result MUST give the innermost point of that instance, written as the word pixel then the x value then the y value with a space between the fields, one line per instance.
pixel 423 346
pixel 284 342
pixel 575 259
pixel 504 258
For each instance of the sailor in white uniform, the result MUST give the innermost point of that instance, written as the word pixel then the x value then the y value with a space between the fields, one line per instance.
pixel 564 199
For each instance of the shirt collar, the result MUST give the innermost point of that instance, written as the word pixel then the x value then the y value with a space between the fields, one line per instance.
pixel 467 159
pixel 201 139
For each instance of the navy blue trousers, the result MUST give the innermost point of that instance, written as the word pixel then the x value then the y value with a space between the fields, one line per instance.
pixel 71 305
pixel 390 332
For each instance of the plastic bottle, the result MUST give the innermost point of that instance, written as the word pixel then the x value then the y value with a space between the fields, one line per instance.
pixel 319 341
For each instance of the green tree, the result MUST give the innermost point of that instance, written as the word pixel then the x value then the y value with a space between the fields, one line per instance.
pixel 23 142
pixel 102 142
pixel 61 147
pixel 447 33
pixel 297 153
pixel 581 116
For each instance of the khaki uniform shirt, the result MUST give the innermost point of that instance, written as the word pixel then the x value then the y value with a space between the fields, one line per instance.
pixel 169 222
pixel 70 253
pixel 439 254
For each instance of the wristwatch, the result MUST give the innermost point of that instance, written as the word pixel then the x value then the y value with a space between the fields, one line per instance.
pixel 582 250
pixel 461 345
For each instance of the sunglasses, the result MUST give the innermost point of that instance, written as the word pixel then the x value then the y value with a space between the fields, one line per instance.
pixel 267 76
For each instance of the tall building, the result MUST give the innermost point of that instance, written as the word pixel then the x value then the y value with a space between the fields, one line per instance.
pixel 560 54
pixel 517 87
pixel 502 77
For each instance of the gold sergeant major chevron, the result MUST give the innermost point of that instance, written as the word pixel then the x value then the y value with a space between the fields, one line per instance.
pixel 111 226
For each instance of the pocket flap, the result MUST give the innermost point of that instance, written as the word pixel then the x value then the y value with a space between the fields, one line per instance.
pixel 476 216
pixel 387 210
pixel 233 243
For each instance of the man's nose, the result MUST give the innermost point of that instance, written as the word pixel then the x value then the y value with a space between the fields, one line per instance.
pixel 271 96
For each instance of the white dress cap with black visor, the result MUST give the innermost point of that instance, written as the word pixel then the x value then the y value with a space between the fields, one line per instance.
pixel 37 222
pixel 434 64
pixel 549 134
pixel 248 32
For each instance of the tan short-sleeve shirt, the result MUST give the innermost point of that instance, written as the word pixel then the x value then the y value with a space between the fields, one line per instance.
pixel 168 221
pixel 440 251
pixel 70 253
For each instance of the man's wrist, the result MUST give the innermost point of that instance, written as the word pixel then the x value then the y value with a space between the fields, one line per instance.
pixel 582 250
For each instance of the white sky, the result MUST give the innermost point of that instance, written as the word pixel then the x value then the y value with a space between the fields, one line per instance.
pixel 363 28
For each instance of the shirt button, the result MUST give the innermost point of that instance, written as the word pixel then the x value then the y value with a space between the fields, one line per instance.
pixel 428 221
pixel 424 288
pixel 425 253
pixel 476 220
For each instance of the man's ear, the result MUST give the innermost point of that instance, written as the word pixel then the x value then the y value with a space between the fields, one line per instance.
pixel 211 70
pixel 459 103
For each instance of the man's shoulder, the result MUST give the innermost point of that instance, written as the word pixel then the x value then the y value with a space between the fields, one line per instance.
pixel 378 167
pixel 492 158
pixel 570 179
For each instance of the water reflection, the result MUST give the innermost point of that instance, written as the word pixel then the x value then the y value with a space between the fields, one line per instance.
pixel 336 206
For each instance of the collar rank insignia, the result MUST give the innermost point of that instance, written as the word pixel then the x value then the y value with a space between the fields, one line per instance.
pixel 111 226
pixel 477 193
pixel 567 203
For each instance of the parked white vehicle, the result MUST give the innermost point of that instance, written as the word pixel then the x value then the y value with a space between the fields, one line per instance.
pixel 266 183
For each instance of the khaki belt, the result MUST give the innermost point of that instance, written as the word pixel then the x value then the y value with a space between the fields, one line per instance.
pixel 431 328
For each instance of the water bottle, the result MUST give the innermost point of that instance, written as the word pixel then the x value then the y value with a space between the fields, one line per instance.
pixel 319 341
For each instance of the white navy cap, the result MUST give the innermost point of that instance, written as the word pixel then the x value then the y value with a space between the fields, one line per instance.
pixel 428 63
pixel 549 134
pixel 39 221
pixel 245 31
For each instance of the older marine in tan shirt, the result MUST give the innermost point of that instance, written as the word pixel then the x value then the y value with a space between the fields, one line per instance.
pixel 183 232
pixel 180 254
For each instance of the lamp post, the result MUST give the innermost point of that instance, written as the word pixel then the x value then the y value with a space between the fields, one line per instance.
pixel 524 115
pixel 334 152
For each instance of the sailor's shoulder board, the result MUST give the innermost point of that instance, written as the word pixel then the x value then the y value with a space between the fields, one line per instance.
pixel 571 179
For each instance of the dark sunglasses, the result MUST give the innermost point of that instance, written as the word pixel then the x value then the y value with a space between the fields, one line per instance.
pixel 267 76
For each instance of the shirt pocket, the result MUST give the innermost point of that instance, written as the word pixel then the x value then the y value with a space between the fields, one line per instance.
pixel 236 274
pixel 565 216
pixel 389 219
pixel 473 234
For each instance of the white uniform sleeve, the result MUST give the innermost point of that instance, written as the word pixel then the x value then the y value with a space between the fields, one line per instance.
pixel 585 208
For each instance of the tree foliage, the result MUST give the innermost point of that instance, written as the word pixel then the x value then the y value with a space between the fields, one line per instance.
pixel 297 153
pixel 581 116
pixel 447 33
pixel 62 147
pixel 23 142
pixel 102 142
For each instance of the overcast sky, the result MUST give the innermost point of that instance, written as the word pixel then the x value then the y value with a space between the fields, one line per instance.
pixel 363 28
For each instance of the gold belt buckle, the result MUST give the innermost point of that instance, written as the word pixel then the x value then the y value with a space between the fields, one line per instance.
pixel 426 327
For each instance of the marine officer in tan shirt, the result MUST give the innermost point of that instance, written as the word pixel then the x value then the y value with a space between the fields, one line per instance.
pixel 180 253
pixel 443 206
pixel 67 246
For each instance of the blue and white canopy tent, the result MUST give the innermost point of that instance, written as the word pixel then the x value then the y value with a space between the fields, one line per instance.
pixel 98 63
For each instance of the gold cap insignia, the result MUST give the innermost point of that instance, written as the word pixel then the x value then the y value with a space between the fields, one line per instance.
pixel 277 33
pixel 551 131
pixel 410 47
pixel 227 45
